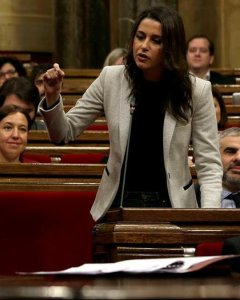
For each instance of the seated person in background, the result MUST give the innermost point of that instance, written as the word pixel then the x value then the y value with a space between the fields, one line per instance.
pixel 221 115
pixel 10 67
pixel 115 57
pixel 230 154
pixel 200 57
pixel 229 143
pixel 36 77
pixel 14 126
pixel 221 112
pixel 19 91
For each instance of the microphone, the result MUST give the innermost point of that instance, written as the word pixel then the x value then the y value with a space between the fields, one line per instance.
pixel 132 109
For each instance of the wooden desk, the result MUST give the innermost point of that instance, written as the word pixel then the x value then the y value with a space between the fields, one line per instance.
pixel 131 233
pixel 165 287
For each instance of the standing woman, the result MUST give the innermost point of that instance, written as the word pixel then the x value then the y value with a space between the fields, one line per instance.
pixel 168 108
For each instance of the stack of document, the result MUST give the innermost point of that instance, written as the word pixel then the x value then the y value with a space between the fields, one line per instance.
pixel 141 266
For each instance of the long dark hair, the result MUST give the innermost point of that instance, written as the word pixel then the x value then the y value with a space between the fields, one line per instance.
pixel 177 84
pixel 12 109
pixel 223 112
pixel 16 63
pixel 22 88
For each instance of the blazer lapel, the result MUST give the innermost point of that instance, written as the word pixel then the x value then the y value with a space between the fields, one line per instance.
pixel 168 129
pixel 124 118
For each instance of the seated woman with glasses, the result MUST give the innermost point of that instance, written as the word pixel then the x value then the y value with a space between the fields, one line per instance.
pixel 10 67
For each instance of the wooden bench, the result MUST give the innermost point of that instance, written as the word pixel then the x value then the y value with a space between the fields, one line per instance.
pixel 227 99
pixel 233 121
pixel 45 230
pixel 88 137
pixel 134 233
pixel 233 109
pixel 228 89
pixel 99 124
pixel 58 154
pixel 81 73
pixel 228 71
pixel 50 177
pixel 76 85
pixel 76 81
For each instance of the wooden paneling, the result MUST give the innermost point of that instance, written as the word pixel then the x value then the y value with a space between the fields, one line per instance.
pixel 27 25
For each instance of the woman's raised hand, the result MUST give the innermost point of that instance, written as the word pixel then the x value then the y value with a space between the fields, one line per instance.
pixel 53 80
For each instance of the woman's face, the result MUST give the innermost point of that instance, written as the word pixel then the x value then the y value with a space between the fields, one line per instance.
pixel 7 71
pixel 217 109
pixel 13 137
pixel 148 49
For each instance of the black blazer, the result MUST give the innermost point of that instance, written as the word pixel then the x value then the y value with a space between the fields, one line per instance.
pixel 217 78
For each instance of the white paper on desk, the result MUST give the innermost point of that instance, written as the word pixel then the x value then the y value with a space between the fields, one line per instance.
pixel 156 265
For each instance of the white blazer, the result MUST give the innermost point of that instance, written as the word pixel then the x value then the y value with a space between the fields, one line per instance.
pixel 109 94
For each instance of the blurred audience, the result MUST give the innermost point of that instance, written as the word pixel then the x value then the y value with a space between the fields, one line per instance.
pixel 115 57
pixel 21 92
pixel 220 108
pixel 10 67
pixel 36 77
pixel 200 57
pixel 14 126
pixel 229 140
pixel 229 146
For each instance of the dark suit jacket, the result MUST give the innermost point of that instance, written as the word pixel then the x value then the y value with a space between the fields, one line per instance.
pixel 217 78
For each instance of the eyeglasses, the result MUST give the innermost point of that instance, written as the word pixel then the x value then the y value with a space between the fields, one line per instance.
pixel 9 73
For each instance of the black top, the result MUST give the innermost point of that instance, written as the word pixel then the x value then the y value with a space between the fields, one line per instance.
pixel 145 166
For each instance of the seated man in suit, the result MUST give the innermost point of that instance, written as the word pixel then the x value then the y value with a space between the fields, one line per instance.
pixel 229 143
pixel 200 57
pixel 230 153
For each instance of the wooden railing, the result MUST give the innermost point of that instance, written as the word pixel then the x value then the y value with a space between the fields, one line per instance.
pixel 134 233
pixel 88 137
pixel 50 177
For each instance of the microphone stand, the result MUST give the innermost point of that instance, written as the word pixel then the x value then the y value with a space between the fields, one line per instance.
pixel 132 109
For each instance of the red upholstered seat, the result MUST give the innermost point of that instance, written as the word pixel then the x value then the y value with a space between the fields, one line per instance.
pixel 209 249
pixel 98 127
pixel 45 230
pixel 39 158
pixel 95 158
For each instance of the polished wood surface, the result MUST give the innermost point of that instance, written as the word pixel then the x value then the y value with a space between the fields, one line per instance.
pixel 81 73
pixel 59 150
pixel 212 285
pixel 49 170
pixel 139 232
pixel 233 109
pixel 228 88
pixel 93 137
pixel 50 176
pixel 76 85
